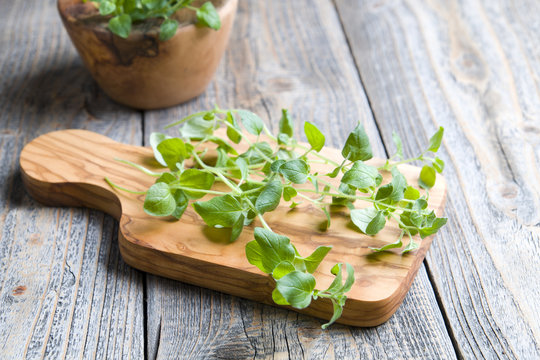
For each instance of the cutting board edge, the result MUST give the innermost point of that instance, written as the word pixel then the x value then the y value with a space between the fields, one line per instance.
pixel 357 312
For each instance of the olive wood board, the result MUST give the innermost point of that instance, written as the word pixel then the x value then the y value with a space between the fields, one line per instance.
pixel 68 167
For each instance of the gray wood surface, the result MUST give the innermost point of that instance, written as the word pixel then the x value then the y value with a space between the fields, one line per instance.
pixel 410 66
pixel 64 290
pixel 472 67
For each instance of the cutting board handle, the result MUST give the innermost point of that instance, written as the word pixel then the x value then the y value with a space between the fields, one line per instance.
pixel 68 168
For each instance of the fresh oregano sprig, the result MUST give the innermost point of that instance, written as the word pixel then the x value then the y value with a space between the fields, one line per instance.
pixel 122 13
pixel 278 167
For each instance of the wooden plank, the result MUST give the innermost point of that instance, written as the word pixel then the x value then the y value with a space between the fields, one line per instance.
pixel 285 54
pixel 202 324
pixel 473 68
pixel 64 290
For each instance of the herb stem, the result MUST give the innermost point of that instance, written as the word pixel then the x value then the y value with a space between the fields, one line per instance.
pixel 218 173
pixel 389 165
pixel 308 198
pixel 113 185
pixel 401 224
pixel 140 167
pixel 263 222
pixel 305 148
pixel 353 197
pixel 200 113
pixel 269 133
pixel 213 192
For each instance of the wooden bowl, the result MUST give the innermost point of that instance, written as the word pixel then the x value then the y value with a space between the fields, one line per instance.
pixel 141 71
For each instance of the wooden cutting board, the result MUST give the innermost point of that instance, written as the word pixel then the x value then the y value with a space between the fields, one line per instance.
pixel 67 168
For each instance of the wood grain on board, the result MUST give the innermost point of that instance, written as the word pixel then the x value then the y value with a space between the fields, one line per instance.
pixel 68 168
pixel 472 67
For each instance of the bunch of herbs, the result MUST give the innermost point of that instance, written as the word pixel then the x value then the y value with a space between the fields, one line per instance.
pixel 123 13
pixel 276 168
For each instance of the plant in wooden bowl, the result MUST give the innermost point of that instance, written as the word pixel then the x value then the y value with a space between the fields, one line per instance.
pixel 149 54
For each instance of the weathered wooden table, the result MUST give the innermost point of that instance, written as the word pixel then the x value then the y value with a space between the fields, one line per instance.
pixel 410 66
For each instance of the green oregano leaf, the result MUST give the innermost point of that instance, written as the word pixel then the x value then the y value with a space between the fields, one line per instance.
pixel 120 25
pixel 334 173
pixel 427 177
pixel 209 116
pixel 253 123
pixel 384 192
pixel 129 6
pixel 155 139
pixel 432 228
pixel 438 165
pixel 222 144
pixel 159 200
pixel 208 16
pixel 336 285
pixel 270 197
pixel 338 310
pixel 182 203
pixel 296 288
pixel 399 185
pixel 258 153
pixel 237 228
pixel 173 151
pixel 412 245
pixel 419 205
pixel 254 255
pixel 243 167
pixel 282 269
pixel 295 171
pixel 278 298
pixel 435 140
pixel 289 193
pixel 314 135
pixel 283 139
pixel 276 165
pixel 357 147
pixel 369 220
pixel 196 179
pixel 350 279
pixel 362 176
pixel 411 193
pixel 285 124
pixel 167 178
pixel 106 7
pixel 197 128
pixel 221 210
pixel 344 189
pixel 233 132
pixel 274 249
pixel 313 261
pixel 167 29
pixel 151 4
pixel 405 219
